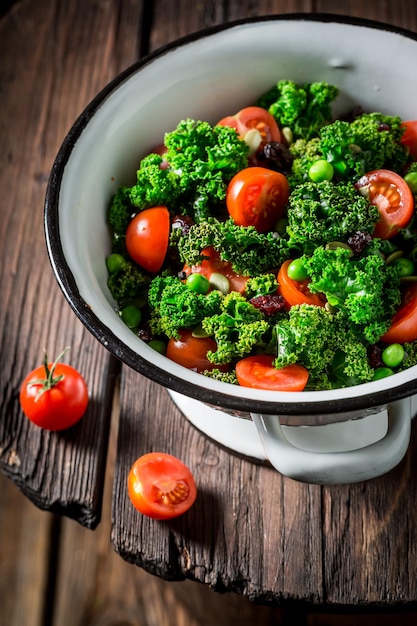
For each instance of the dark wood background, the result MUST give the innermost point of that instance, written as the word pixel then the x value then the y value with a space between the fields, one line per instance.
pixel 336 551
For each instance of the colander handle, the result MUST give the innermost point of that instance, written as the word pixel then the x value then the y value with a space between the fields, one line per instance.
pixel 332 468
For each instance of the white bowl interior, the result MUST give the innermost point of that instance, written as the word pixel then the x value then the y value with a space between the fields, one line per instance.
pixel 208 78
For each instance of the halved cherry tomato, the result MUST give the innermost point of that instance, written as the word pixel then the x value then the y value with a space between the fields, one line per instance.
pixel 393 198
pixel 409 138
pixel 254 118
pixel 147 238
pixel 257 196
pixel 191 352
pixel 213 264
pixel 404 322
pixel 54 396
pixel 161 486
pixel 258 372
pixel 296 291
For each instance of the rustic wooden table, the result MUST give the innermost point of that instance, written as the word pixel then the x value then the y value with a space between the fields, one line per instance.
pixel 252 531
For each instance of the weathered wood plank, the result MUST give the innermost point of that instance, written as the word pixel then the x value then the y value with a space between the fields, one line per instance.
pixel 51 68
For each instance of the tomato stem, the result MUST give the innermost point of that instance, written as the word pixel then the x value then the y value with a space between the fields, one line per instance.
pixel 50 380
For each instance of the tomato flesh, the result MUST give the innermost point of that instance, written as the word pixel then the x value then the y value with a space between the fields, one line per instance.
pixel 404 323
pixel 59 407
pixel 258 372
pixel 191 352
pixel 212 264
pixel 254 118
pixel 393 198
pixel 296 291
pixel 147 238
pixel 161 486
pixel 257 196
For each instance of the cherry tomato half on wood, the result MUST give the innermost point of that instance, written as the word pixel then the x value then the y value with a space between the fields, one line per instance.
pixel 258 372
pixel 147 238
pixel 257 196
pixel 54 396
pixel 296 291
pixel 191 352
pixel 161 486
pixel 393 198
pixel 404 323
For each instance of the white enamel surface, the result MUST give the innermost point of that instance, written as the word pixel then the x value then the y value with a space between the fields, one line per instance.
pixel 207 79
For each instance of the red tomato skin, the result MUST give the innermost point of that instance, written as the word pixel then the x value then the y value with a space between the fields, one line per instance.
pixel 157 471
pixel 257 196
pixel 254 117
pixel 213 264
pixel 147 238
pixel 258 372
pixel 404 324
pixel 393 198
pixel 296 292
pixel 409 139
pixel 59 407
pixel 191 352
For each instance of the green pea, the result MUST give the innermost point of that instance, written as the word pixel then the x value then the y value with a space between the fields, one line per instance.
pixel 296 270
pixel 382 372
pixel 197 283
pixel 404 265
pixel 114 263
pixel 321 170
pixel 393 355
pixel 411 180
pixel 131 316
pixel 158 345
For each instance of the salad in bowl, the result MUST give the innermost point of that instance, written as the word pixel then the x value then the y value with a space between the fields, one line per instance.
pixel 274 249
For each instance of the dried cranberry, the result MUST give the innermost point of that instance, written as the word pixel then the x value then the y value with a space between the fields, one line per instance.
pixel 375 356
pixel 383 127
pixel 145 333
pixel 184 222
pixel 358 241
pixel 269 304
pixel 276 156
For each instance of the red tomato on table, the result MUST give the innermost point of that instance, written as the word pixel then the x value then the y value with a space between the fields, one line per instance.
pixel 296 291
pixel 161 486
pixel 258 372
pixel 393 198
pixel 147 238
pixel 54 396
pixel 257 196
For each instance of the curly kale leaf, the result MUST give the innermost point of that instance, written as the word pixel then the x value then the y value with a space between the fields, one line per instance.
pixel 249 252
pixel 199 162
pixel 119 215
pixel 371 141
pixel 127 283
pixel 365 289
pixel 311 336
pixel 237 329
pixel 304 108
pixel 174 306
pixel 322 212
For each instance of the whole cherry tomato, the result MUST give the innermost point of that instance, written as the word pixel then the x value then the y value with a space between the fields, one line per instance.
pixel 409 138
pixel 147 238
pixel 161 486
pixel 54 396
pixel 257 196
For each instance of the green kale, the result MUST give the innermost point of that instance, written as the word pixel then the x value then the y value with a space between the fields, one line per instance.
pixel 199 162
pixel 371 141
pixel 322 212
pixel 304 108
pixel 224 377
pixel 262 285
pixel 311 337
pixel 249 252
pixel 119 215
pixel 304 153
pixel 174 306
pixel 127 283
pixel 237 329
pixel 364 288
